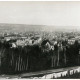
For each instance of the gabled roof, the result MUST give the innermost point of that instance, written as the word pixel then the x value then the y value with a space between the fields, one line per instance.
pixel 45 41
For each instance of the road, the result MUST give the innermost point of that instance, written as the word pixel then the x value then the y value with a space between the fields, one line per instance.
pixel 36 74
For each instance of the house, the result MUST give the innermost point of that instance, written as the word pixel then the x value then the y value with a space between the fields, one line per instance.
pixel 13 45
pixel 52 47
pixel 7 38
pixel 46 45
pixel 20 42
pixel 30 42
pixel 71 41
pixel 37 41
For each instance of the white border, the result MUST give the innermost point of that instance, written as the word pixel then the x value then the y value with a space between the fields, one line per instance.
pixel 39 0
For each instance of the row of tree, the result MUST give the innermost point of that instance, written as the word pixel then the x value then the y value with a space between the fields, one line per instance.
pixel 37 57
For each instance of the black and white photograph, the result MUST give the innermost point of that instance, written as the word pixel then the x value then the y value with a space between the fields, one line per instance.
pixel 39 39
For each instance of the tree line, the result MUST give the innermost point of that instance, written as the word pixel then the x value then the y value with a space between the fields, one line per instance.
pixel 38 57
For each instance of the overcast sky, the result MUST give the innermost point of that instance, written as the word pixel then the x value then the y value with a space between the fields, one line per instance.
pixel 41 13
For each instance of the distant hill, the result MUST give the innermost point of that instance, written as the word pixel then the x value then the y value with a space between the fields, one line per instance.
pixel 19 27
pixel 24 27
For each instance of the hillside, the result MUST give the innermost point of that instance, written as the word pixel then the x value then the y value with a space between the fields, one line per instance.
pixel 19 27
pixel 24 27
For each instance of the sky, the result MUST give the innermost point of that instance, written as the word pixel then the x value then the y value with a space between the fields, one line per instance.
pixel 41 13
